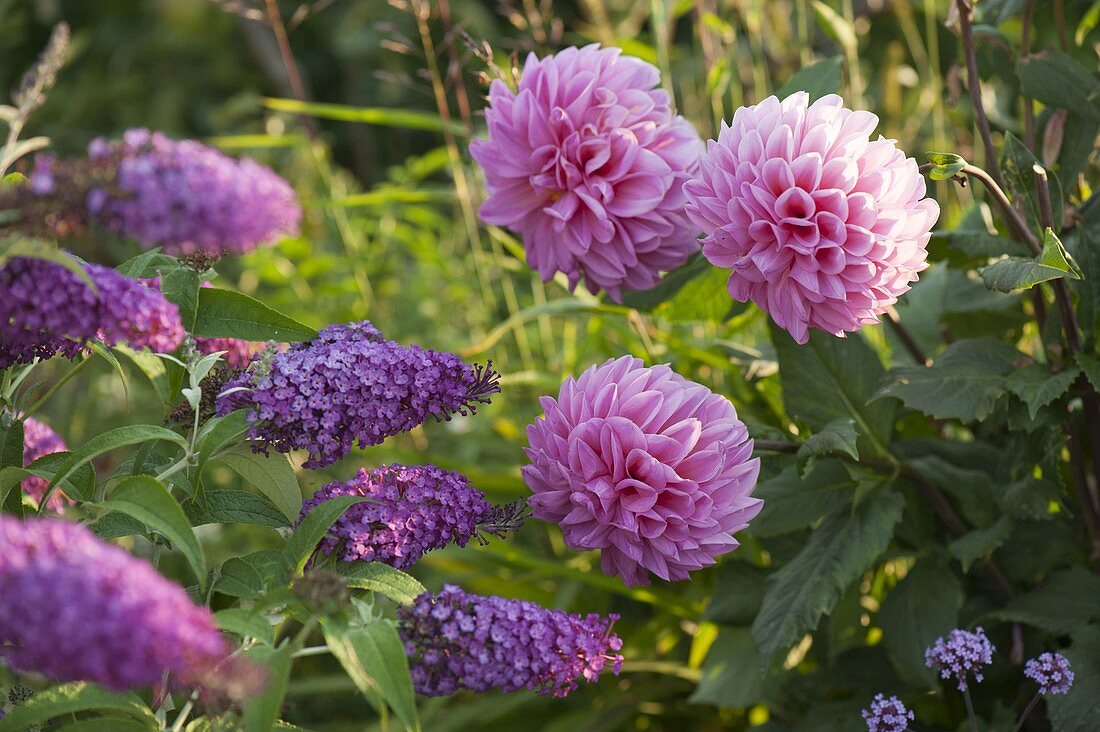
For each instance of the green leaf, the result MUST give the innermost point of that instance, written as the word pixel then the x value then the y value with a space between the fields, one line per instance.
pixel 410 119
pixel 112 440
pixel 1018 166
pixel 234 507
pixel 147 500
pixel 948 165
pixel 65 699
pixel 738 593
pixel 271 474
pixel 374 658
pixel 836 554
pixel 731 673
pixel 922 607
pixel 836 438
pixel 11 466
pixel 818 79
pixel 261 712
pixel 707 299
pixel 670 284
pixel 832 378
pixel 221 432
pixel 181 287
pixel 151 263
pixel 152 366
pixel 246 624
pixel 106 724
pixel 964 383
pixel 381 578
pixel 1057 80
pixel 1038 387
pixel 1065 603
pixel 229 314
pixel 238 577
pixel 313 528
pixel 836 27
pixel 1078 710
pixel 973 545
pixel 792 503
pixel 1019 273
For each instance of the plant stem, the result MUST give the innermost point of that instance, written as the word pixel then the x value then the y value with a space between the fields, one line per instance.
pixel 1027 712
pixel 1025 50
pixel 182 718
pixel 1061 292
pixel 970 710
pixel 56 387
pixel 275 20
pixel 973 83
pixel 1060 23
pixel 906 338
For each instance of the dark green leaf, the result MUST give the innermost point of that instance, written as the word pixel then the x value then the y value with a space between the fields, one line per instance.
pixel 973 545
pixel 70 698
pixel 1018 273
pixel 111 440
pixel 1057 80
pixel 234 507
pixel 181 287
pixel 964 382
pixel 921 608
pixel 313 528
pixel 147 500
pixel 271 474
pixel 738 592
pixel 792 502
pixel 1078 710
pixel 238 577
pixel 818 79
pixel 836 438
pixel 381 578
pixel 221 432
pixel 670 284
pixel 1038 387
pixel 229 314
pixel 148 264
pixel 1017 164
pixel 1065 602
pixel 808 587
pixel 731 673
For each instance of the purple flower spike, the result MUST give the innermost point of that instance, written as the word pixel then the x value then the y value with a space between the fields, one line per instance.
pixel 887 714
pixel 962 653
pixel 349 385
pixel 456 640
pixel 76 608
pixel 47 309
pixel 414 509
pixel 1051 672
pixel 190 199
pixel 38 441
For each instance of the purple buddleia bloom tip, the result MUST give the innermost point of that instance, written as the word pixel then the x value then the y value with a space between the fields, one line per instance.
pixel 190 199
pixel 48 309
pixel 887 714
pixel 960 654
pixel 456 640
pixel 413 510
pixel 75 608
pixel 349 385
pixel 38 441
pixel 1051 672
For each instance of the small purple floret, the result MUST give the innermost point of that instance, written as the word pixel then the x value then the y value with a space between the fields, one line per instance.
pixel 887 714
pixel 457 640
pixel 961 653
pixel 1051 672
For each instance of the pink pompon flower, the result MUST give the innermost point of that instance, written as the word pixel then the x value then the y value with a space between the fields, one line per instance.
pixel 586 161
pixel 821 227
pixel 652 469
pixel 38 441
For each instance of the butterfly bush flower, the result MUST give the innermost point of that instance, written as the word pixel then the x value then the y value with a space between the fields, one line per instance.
pixel 188 198
pixel 350 385
pixel 1051 672
pixel 586 161
pixel 48 309
pixel 77 608
pixel 821 227
pixel 960 654
pixel 653 470
pixel 457 640
pixel 413 510
pixel 38 441
pixel 887 715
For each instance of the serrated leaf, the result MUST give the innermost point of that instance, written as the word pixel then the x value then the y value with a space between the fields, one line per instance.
pixel 313 528
pixel 922 607
pixel 1064 603
pixel 963 383
pixel 792 502
pixel 238 577
pixel 229 314
pixel 1078 710
pixel 66 699
pixel 148 500
pixel 838 437
pixel 832 378
pixel 1019 273
pixel 807 587
pixel 731 672
pixel 818 79
pixel 1038 387
pixel 234 507
pixel 1057 80
pixel 271 474
pixel 978 543
pixel 1017 165
pixel 246 624
pixel 374 658
pixel 381 578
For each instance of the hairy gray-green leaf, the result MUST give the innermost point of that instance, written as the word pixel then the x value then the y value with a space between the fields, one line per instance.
pixel 381 578
pixel 271 474
pixel 314 527
pixel 234 507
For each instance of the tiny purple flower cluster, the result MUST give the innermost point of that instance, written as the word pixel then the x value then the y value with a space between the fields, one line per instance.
pixel 47 309
pixel 349 385
pixel 961 653
pixel 191 199
pixel 456 640
pixel 39 440
pixel 414 509
pixel 1051 672
pixel 69 598
pixel 887 714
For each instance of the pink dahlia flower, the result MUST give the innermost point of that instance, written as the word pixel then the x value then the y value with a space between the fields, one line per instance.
pixel 821 226
pixel 586 161
pixel 652 469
